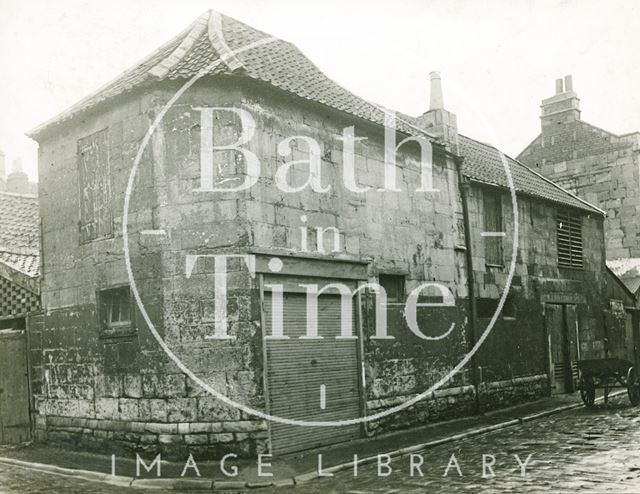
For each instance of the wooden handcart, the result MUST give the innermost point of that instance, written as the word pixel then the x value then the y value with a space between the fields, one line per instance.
pixel 608 374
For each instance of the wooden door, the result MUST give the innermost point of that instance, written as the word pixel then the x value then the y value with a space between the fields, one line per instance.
pixel 14 389
pixel 572 340
pixel 562 331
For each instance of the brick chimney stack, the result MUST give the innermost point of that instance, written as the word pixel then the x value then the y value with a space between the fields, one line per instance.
pixel 437 120
pixel 17 180
pixel 562 107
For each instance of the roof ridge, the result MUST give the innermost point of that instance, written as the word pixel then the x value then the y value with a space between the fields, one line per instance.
pixel 584 122
pixel 218 43
pixel 196 29
pixel 539 175
pixel 529 145
pixel 561 188
pixel 30 282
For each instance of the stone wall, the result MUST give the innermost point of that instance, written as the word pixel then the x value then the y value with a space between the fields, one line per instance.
pixel 600 167
pixel 124 392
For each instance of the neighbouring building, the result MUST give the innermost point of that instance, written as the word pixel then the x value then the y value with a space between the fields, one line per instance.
pixel 628 270
pixel 19 301
pixel 101 379
pixel 17 181
pixel 598 166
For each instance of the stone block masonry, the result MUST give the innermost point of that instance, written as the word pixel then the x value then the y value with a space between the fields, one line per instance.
pixel 117 389
pixel 599 166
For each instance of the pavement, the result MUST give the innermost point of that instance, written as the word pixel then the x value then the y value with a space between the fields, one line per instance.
pixel 293 470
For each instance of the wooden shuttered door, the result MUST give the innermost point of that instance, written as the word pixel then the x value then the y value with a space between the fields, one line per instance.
pixel 298 368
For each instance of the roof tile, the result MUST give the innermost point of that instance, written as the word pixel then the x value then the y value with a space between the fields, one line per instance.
pixel 282 65
pixel 20 232
pixel 483 163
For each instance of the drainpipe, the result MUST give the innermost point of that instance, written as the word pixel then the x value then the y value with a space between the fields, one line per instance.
pixel 471 333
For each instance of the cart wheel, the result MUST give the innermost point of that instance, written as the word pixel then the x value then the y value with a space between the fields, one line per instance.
pixel 587 390
pixel 633 387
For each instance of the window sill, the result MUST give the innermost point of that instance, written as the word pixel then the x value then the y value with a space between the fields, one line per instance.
pixel 572 268
pixel 496 266
pixel 87 241
pixel 117 332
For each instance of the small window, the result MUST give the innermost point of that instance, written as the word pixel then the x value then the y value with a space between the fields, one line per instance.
pixel 569 235
pixel 487 307
pixel 393 285
pixel 115 311
pixel 493 228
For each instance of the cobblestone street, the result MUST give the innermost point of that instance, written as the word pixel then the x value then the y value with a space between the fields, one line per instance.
pixel 16 480
pixel 582 450
pixel 594 450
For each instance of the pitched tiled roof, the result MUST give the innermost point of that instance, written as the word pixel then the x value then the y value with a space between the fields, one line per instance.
pixel 215 37
pixel 483 163
pixel 20 232
pixel 240 50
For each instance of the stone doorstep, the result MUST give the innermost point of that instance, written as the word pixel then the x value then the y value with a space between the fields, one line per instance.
pixel 211 484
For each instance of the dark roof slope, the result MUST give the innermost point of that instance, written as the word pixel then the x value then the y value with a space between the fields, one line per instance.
pixel 483 163
pixel 20 232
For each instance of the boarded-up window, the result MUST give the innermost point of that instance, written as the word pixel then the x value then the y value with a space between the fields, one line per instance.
pixel 394 286
pixel 486 307
pixel 493 229
pixel 95 187
pixel 569 234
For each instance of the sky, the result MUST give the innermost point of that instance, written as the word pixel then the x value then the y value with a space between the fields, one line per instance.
pixel 498 58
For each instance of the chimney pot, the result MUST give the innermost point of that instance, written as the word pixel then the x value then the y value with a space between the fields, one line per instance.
pixel 568 83
pixel 17 166
pixel 436 101
pixel 559 89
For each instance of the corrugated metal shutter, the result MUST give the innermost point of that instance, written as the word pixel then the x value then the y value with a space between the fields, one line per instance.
pixel 297 368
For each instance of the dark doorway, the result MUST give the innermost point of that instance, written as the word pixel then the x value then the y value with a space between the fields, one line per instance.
pixel 564 353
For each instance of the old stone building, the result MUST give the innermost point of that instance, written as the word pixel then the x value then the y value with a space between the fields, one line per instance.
pixel 19 301
pixel 597 165
pixel 101 376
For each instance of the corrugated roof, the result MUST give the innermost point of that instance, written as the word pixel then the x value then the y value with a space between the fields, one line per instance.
pixel 483 163
pixel 20 232
pixel 216 37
